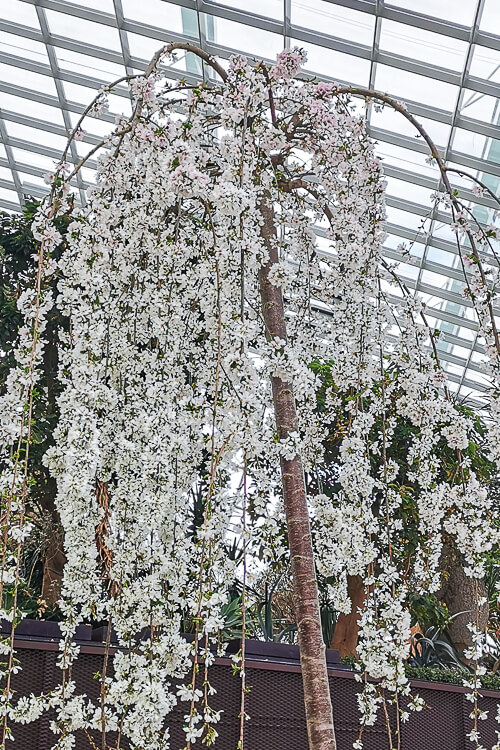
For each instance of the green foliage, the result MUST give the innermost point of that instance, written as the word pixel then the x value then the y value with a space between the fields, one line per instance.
pixel 328 622
pixel 434 649
pixel 233 620
pixel 17 273
pixel 427 611
pixel 266 622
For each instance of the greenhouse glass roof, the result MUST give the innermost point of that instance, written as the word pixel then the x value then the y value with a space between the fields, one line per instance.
pixel 442 61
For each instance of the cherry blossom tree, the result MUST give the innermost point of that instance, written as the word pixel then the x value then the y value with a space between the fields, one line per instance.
pixel 197 296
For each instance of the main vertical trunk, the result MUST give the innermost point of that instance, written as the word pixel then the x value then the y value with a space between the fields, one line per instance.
pixel 318 705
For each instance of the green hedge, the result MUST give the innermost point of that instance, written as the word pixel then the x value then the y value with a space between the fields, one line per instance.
pixel 440 674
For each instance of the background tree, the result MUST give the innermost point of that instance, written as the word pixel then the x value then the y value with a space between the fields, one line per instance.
pixel 43 558
pixel 459 593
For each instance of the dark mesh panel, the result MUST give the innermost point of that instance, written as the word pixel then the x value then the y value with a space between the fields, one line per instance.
pixel 439 724
pixel 274 703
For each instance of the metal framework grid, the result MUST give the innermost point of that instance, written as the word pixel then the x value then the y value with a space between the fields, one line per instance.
pixel 54 55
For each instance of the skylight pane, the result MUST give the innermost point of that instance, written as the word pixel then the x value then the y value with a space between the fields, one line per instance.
pixel 485 62
pixel 160 14
pixel 20 13
pixel 480 106
pixel 31 109
pixel 256 43
pixel 270 8
pixel 419 44
pixel 5 174
pixel 333 20
pixel 337 65
pixel 32 158
pixel 406 158
pixel 97 34
pixel 23 47
pixel 92 125
pixel 408 191
pixel 102 5
pixel 403 218
pixel 389 119
pixel 456 11
pixel 143 47
pixel 417 88
pixel 90 66
pixel 79 94
pixel 9 195
pixel 35 136
pixel 490 16
pixel 27 79
pixel 475 144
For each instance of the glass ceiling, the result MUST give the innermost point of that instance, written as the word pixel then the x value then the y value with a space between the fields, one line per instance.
pixel 442 61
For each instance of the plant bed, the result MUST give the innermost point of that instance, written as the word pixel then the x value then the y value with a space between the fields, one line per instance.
pixel 43 630
pixel 275 651
pixel 275 705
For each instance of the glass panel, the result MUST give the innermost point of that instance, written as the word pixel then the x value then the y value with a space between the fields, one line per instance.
pixel 161 15
pixel 143 47
pixel 92 125
pixel 20 13
pixel 407 272
pixel 91 66
pixel 475 144
pixel 35 136
pixel 334 20
pixel 88 174
pixel 480 106
pixel 102 5
pixel 490 19
pixel 417 88
pixel 97 34
pixel 444 258
pixel 30 179
pixel 406 159
pixel 27 79
pixel 23 47
pixel 408 190
pixel 5 174
pixel 31 109
pixel 456 11
pixel 389 119
pixel 485 63
pixel 403 218
pixel 33 159
pixel 419 44
pixel 9 195
pixel 254 42
pixel 337 65
pixel 270 8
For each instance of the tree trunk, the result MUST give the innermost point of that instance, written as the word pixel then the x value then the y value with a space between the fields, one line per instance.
pixel 53 566
pixel 345 636
pixel 318 707
pixel 461 594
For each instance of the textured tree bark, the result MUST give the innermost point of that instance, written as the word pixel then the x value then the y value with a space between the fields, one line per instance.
pixel 53 567
pixel 318 707
pixel 345 636
pixel 461 594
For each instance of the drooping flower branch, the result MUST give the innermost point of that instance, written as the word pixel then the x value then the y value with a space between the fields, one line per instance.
pixel 197 299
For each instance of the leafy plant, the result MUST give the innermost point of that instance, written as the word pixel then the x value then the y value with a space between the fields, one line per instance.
pixel 433 649
pixel 328 622
pixel 265 619
pixel 233 620
pixel 428 611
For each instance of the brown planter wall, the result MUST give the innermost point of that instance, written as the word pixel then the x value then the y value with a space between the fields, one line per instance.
pixel 275 705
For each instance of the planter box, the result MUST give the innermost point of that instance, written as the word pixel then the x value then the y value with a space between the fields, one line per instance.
pixel 275 703
pixel 272 651
pixel 44 630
